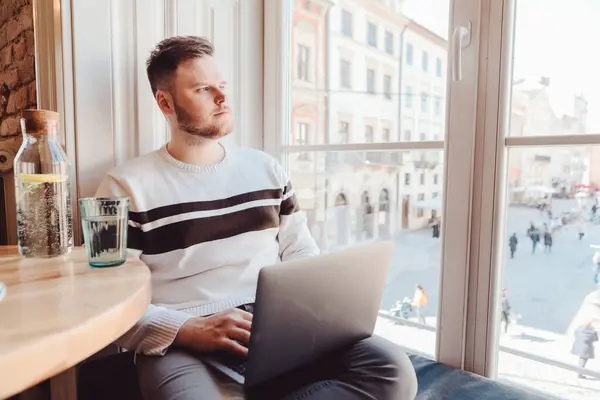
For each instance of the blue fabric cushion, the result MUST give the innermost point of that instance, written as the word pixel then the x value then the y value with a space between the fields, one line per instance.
pixel 440 382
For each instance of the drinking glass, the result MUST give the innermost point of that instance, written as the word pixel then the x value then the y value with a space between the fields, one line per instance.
pixel 104 223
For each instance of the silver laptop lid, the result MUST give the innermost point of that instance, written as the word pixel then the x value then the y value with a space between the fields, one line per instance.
pixel 309 307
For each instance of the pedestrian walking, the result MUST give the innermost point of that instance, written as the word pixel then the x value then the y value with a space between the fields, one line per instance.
pixel 581 229
pixel 535 239
pixel 596 260
pixel 419 302
pixel 583 346
pixel 547 242
pixel 512 244
pixel 505 313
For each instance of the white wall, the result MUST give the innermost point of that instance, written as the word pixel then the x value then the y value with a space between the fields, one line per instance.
pixel 115 115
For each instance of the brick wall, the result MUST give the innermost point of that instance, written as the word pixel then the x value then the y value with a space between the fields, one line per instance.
pixel 17 68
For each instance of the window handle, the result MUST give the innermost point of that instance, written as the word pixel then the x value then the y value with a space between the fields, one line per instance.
pixel 461 38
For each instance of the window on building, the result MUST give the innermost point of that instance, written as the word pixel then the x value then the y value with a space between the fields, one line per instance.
pixel 389 42
pixel 407 135
pixel 422 137
pixel 420 213
pixel 302 139
pixel 386 136
pixel 345 74
pixel 371 34
pixel 407 179
pixel 387 86
pixel 422 179
pixel 424 101
pixel 438 67
pixel 344 131
pixel 369 134
pixel 437 106
pixel 435 179
pixel 409 54
pixel 425 61
pixel 434 195
pixel 409 97
pixel 370 81
pixel 347 23
pixel 421 197
pixel 302 63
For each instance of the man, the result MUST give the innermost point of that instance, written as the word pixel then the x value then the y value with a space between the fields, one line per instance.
pixel 505 316
pixel 205 218
pixel 512 244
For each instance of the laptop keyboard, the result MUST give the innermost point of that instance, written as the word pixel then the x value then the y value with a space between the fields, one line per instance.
pixel 234 362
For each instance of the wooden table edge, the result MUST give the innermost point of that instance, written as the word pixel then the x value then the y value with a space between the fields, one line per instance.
pixel 14 381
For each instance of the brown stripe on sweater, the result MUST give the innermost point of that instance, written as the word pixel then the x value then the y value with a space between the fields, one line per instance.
pixel 182 208
pixel 290 205
pixel 184 234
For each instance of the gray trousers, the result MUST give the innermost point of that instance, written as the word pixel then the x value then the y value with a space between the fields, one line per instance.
pixel 370 369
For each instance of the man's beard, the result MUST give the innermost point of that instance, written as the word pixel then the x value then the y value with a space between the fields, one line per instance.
pixel 198 131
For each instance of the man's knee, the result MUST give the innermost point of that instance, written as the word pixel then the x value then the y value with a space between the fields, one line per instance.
pixel 176 375
pixel 391 364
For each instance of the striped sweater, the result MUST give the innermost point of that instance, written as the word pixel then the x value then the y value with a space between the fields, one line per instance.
pixel 205 231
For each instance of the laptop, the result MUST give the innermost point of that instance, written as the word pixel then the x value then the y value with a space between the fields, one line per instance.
pixel 307 308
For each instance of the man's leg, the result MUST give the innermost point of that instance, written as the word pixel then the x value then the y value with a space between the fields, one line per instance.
pixel 373 368
pixel 175 376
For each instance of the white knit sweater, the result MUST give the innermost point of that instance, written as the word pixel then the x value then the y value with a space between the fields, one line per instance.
pixel 205 231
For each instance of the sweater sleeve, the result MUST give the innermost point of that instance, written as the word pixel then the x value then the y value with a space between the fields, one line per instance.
pixel 295 240
pixel 156 330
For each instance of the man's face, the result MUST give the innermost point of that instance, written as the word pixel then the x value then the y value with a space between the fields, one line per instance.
pixel 199 101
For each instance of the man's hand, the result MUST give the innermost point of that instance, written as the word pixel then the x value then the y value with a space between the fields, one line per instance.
pixel 221 331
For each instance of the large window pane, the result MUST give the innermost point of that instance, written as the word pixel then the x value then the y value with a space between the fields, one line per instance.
pixel 555 77
pixel 353 63
pixel 550 272
pixel 353 198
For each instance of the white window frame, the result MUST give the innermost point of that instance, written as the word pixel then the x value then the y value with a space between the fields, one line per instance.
pixel 459 156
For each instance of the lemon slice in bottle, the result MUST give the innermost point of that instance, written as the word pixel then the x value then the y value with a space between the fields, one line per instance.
pixel 42 178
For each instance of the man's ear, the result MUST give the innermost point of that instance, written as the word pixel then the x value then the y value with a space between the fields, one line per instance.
pixel 165 102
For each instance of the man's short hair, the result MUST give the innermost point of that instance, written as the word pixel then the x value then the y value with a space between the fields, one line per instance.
pixel 169 53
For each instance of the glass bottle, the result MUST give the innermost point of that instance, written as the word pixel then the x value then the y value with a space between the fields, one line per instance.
pixel 43 189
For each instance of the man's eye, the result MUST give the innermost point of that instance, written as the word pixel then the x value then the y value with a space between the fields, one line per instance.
pixel 203 89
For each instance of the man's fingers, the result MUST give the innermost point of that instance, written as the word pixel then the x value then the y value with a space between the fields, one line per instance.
pixel 241 335
pixel 243 324
pixel 234 347
pixel 245 315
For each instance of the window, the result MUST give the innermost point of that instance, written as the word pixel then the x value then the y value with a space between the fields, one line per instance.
pixel 302 139
pixel 386 136
pixel 389 42
pixel 346 23
pixel 369 134
pixel 435 179
pixel 371 34
pixel 387 86
pixel 344 131
pixel 367 166
pixel 345 74
pixel 371 81
pixel 409 97
pixel 421 197
pixel 425 61
pixel 437 106
pixel 409 54
pixel 541 136
pixel 302 64
pixel 424 101
pixel 422 136
pixel 438 67
pixel 422 180
pixel 434 195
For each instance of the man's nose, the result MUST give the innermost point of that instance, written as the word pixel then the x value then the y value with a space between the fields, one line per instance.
pixel 220 96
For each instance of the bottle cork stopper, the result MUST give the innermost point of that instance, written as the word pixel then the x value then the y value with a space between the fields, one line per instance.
pixel 36 121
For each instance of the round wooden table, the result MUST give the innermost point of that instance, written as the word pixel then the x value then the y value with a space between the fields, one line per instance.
pixel 57 312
